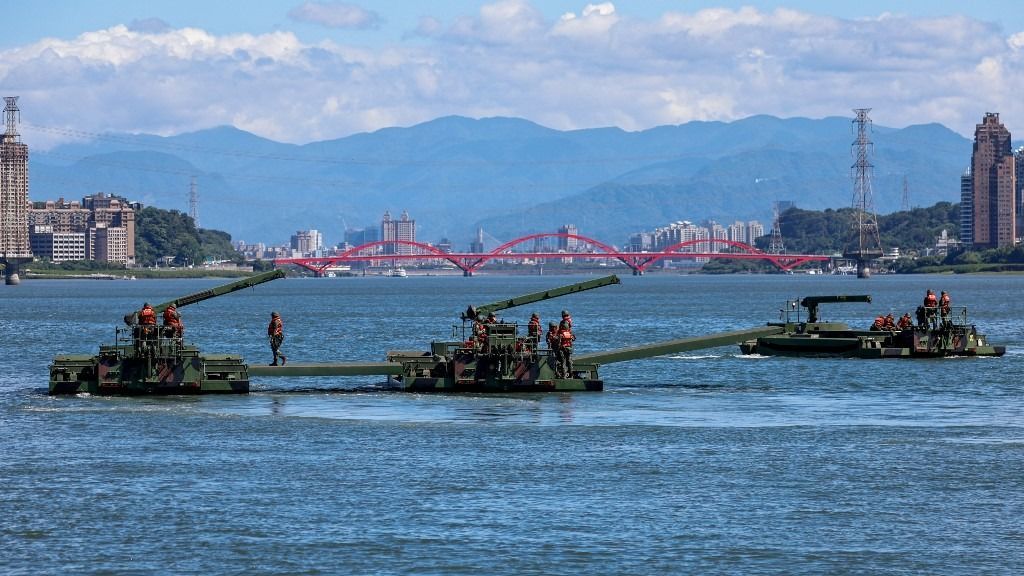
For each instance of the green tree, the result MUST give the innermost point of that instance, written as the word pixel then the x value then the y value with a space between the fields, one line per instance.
pixel 161 233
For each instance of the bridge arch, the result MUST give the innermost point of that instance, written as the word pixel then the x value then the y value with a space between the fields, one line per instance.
pixel 501 250
pixel 319 265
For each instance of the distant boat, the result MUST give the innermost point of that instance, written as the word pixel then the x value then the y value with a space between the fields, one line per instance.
pixel 397 272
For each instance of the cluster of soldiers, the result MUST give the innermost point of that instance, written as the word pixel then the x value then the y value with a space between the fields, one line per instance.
pixel 926 314
pixel 145 320
pixel 559 339
pixel 144 324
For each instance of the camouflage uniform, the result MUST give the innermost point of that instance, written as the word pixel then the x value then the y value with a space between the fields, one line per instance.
pixel 275 331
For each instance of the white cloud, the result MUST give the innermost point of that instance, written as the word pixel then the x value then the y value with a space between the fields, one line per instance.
pixel 592 67
pixel 596 22
pixel 335 15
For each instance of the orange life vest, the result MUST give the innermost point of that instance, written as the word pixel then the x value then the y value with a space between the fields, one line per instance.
pixel 147 317
pixel 930 301
pixel 533 328
pixel 171 317
pixel 565 338
pixel 276 327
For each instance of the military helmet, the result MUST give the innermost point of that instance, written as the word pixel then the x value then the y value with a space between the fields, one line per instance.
pixel 492 315
pixel 552 325
pixel 274 314
pixel 145 304
pixel 534 315
pixel 565 313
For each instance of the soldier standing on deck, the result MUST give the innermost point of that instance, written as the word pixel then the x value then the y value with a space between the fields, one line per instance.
pixel 172 321
pixel 565 340
pixel 945 306
pixel 275 332
pixel 533 331
pixel 555 348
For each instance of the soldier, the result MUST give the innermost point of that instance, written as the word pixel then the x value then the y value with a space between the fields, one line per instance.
pixel 480 332
pixel 147 322
pixel 931 304
pixel 566 321
pixel 945 306
pixel 565 340
pixel 275 332
pixel 147 316
pixel 555 356
pixel 878 324
pixel 905 322
pixel 533 330
pixel 890 323
pixel 172 322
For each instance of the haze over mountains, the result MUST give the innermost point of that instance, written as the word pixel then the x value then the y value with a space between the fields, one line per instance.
pixel 509 175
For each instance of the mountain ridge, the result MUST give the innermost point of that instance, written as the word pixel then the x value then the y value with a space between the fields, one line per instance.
pixel 510 175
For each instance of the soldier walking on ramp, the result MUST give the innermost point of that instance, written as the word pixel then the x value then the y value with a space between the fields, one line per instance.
pixel 275 332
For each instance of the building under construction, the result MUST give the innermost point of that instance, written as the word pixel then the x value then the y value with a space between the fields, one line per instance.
pixel 14 244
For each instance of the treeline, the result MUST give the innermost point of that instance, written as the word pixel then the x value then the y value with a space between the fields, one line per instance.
pixel 831 231
pixel 170 233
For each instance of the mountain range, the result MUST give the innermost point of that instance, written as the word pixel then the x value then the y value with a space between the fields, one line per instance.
pixel 510 176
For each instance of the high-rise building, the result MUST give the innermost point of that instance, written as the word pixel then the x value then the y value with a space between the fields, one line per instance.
pixel 14 241
pixel 754 231
pixel 994 185
pixel 360 236
pixel 738 232
pixel 566 244
pixel 477 245
pixel 98 211
pixel 403 229
pixel 110 244
pixel 967 209
pixel 57 246
pixel 1018 160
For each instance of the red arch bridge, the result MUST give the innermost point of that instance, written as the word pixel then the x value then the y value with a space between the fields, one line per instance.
pixel 405 250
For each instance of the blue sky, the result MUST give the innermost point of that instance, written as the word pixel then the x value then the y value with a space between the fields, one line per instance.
pixel 300 71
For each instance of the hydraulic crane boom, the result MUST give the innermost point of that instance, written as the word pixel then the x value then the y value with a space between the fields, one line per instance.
pixel 247 282
pixel 485 309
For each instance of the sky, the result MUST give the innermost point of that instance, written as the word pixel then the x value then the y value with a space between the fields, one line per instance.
pixel 300 71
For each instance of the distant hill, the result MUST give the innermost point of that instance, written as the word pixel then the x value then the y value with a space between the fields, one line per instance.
pixel 509 175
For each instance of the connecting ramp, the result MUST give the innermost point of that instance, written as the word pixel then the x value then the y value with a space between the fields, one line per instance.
pixel 676 346
pixel 329 369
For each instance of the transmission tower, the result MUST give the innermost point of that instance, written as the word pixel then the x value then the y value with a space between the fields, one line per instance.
pixel 866 245
pixel 776 246
pixel 193 203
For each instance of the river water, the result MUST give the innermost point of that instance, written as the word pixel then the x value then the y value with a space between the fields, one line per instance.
pixel 701 463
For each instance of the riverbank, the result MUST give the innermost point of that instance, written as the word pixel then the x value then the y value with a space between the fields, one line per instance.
pixel 134 274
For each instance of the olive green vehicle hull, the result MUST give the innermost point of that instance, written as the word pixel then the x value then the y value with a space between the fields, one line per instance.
pixel 824 340
pixel 121 371
pixel 155 360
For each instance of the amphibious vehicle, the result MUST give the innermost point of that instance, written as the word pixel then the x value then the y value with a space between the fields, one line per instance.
pixel 933 335
pixel 506 361
pixel 153 360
